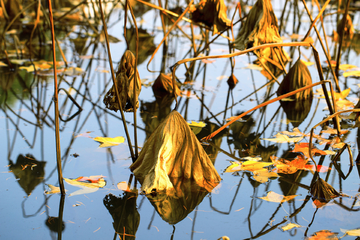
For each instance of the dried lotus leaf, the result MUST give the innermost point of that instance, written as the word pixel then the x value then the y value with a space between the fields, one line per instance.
pixel 125 78
pixel 211 13
pixel 322 192
pixel 260 27
pixel 173 151
pixel 163 86
pixel 297 77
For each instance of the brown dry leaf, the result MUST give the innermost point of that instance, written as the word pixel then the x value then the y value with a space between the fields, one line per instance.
pixel 331 130
pixel 173 151
pixel 125 77
pixel 263 175
pixel 232 81
pixel 211 13
pixel 304 148
pixel 297 77
pixel 274 197
pixel 163 86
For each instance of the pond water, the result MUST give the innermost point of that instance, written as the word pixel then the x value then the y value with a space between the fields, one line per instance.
pixel 234 208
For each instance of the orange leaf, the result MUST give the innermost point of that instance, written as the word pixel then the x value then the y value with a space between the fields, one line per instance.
pixel 323 234
pixel 304 148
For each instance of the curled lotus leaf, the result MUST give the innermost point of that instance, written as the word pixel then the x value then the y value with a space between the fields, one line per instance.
pixel 125 77
pixel 173 151
pixel 211 13
pixel 259 28
pixel 163 86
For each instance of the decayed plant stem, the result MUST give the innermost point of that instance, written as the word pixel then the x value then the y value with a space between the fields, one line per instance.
pixel 57 131
pixel 115 84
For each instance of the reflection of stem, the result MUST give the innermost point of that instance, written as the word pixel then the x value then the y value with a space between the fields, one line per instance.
pixel 60 218
pixel 312 220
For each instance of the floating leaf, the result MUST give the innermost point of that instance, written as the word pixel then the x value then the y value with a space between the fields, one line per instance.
pixel 330 130
pixel 123 186
pixel 346 67
pixel 274 197
pixel 196 127
pixel 87 184
pixel 281 138
pixel 30 68
pixel 263 175
pixel 234 167
pixel 304 148
pixel 73 71
pixel 3 64
pixel 52 190
pixel 352 74
pixel 295 132
pixel 254 165
pixel 290 226
pixel 352 232
pixel 108 141
pixel 254 67
pixel 323 235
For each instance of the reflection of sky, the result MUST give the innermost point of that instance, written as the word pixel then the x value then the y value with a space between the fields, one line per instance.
pixel 85 220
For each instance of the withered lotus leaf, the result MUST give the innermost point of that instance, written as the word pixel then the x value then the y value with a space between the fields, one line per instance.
pixel 259 28
pixel 348 30
pixel 297 77
pixel 125 77
pixel 232 81
pixel 163 86
pixel 173 151
pixel 211 13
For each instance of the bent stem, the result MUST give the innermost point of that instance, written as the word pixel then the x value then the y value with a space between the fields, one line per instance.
pixel 115 84
pixel 57 131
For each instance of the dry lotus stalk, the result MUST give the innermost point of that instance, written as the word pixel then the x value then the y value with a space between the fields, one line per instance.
pixel 125 83
pixel 173 151
pixel 259 28
pixel 163 86
pixel 211 13
pixel 297 77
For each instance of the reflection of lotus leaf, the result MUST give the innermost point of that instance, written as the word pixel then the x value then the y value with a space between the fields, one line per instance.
pixel 29 171
pixel 296 111
pixel 124 213
pixel 173 151
pixel 53 224
pixel 146 43
pixel 174 206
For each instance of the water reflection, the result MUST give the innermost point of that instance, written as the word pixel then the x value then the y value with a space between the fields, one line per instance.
pixel 124 213
pixel 28 171
pixel 175 205
pixel 297 110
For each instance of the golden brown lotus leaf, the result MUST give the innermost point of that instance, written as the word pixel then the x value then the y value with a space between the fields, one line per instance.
pixel 125 83
pixel 174 206
pixel 259 28
pixel 297 77
pixel 173 150
pixel 322 192
pixel 163 86
pixel 211 13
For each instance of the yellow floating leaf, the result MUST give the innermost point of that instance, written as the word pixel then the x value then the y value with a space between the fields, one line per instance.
pixel 3 64
pixel 352 232
pixel 281 138
pixel 234 167
pixel 30 68
pixel 352 74
pixel 290 226
pixel 196 127
pixel 123 186
pixel 254 67
pixel 254 165
pixel 274 197
pixel 346 67
pixel 295 133
pixel 42 65
pixel 52 190
pixel 108 141
pixel 263 175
